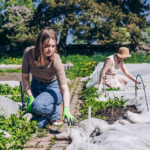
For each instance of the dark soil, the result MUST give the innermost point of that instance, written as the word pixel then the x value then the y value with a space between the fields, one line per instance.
pixel 11 77
pixel 113 114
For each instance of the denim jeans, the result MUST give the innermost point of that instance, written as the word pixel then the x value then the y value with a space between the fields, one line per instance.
pixel 45 106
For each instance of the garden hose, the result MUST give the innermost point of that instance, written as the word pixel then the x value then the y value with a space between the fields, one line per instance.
pixel 143 88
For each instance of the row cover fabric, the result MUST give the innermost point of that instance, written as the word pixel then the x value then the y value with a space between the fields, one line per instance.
pixel 8 107
pixel 115 137
pixel 6 134
pixel 11 83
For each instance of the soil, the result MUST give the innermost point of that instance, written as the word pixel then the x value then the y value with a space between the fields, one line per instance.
pixel 114 114
pixel 11 77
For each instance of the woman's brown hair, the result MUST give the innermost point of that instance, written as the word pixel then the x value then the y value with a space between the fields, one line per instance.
pixel 38 52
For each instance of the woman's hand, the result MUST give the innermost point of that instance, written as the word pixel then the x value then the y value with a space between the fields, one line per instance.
pixel 67 115
pixel 138 82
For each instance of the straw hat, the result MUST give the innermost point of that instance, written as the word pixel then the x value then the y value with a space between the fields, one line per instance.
pixel 123 52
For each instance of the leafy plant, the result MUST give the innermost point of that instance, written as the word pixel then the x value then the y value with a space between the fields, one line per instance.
pixel 19 130
pixel 17 24
pixel 113 89
pixel 42 132
pixel 6 89
pixel 88 96
pixel 53 141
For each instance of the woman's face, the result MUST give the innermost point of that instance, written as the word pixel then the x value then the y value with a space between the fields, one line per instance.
pixel 121 59
pixel 49 45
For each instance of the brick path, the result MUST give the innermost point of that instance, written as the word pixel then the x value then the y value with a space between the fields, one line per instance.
pixel 46 142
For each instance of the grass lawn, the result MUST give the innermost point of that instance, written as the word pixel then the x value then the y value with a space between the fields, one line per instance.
pixel 83 65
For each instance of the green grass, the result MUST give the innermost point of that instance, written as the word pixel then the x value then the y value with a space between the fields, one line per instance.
pixel 80 61
pixel 83 65
pixel 10 70
pixel 12 58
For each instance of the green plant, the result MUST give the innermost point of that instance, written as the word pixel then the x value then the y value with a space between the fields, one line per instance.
pixel 6 89
pixel 59 126
pixel 113 89
pixel 42 132
pixel 88 97
pixel 18 128
pixel 11 70
pixel 72 84
pixel 53 141
pixel 75 89
pixel 2 74
pixel 34 146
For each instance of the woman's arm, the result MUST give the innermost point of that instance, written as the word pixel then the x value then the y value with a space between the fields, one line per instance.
pixel 66 95
pixel 26 84
pixel 128 74
pixel 106 67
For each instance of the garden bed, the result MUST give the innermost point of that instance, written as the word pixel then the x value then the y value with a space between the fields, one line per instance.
pixel 113 114
pixel 110 111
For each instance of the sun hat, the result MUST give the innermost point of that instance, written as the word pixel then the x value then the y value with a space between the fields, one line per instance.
pixel 123 52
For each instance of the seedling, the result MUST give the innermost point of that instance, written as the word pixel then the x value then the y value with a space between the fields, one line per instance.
pixel 53 141
pixel 59 126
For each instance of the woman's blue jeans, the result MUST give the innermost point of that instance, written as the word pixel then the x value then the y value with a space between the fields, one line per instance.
pixel 45 106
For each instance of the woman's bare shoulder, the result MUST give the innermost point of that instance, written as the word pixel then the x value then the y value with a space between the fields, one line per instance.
pixel 108 60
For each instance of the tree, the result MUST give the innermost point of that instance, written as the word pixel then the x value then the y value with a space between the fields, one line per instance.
pixel 146 35
pixel 101 20
pixel 100 24
pixel 19 30
pixel 135 16
pixel 6 20
pixel 77 41
pixel 61 14
pixel 10 3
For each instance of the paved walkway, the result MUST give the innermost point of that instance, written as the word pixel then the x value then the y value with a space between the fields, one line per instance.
pixel 48 142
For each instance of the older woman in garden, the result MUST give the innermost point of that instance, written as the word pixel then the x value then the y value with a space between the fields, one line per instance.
pixel 111 67
pixel 48 87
